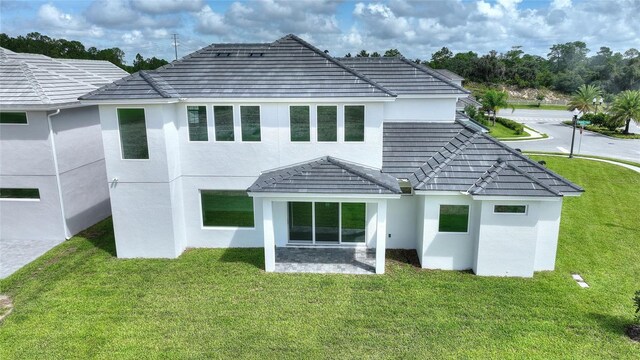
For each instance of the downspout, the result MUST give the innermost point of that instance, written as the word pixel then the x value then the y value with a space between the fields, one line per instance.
pixel 67 236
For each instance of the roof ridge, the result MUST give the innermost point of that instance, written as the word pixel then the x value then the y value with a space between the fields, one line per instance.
pixel 535 164
pixel 158 84
pixel 108 86
pixel 337 62
pixel 447 160
pixel 537 181
pixel 482 181
pixel 35 84
pixel 433 73
pixel 295 169
pixel 362 174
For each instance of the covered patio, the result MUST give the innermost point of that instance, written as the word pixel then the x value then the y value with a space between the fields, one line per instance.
pixel 326 215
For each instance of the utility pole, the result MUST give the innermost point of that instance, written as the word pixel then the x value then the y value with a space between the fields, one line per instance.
pixel 175 44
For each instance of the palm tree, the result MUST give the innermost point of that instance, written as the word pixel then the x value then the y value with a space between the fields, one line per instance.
pixel 493 100
pixel 582 99
pixel 626 107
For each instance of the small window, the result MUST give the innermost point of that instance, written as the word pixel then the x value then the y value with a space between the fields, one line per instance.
pixel 197 118
pixel 11 193
pixel 299 123
pixel 13 117
pixel 226 208
pixel 223 122
pixel 354 123
pixel 454 218
pixel 510 209
pixel 133 134
pixel 250 123
pixel 327 123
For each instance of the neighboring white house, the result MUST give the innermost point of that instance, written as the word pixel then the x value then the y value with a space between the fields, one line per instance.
pixel 280 144
pixel 52 172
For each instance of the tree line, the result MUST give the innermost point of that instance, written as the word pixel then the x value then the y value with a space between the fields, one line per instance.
pixel 37 43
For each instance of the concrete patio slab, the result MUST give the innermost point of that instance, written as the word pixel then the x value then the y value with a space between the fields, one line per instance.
pixel 15 254
pixel 326 260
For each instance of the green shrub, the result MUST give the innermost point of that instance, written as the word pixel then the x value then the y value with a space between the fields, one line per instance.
pixel 515 126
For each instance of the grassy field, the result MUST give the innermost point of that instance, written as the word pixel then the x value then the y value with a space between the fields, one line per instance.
pixel 79 301
pixel 500 131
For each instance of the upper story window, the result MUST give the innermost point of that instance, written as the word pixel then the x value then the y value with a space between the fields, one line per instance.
pixel 354 123
pixel 299 123
pixel 19 193
pixel 133 134
pixel 250 123
pixel 327 123
pixel 197 119
pixel 8 117
pixel 223 122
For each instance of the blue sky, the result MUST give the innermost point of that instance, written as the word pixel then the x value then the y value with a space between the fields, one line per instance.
pixel 416 28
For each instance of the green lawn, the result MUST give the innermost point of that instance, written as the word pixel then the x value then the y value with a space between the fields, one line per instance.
pixel 500 131
pixel 79 301
pixel 541 107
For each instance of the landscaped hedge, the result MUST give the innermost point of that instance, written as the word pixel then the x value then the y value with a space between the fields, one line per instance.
pixel 515 126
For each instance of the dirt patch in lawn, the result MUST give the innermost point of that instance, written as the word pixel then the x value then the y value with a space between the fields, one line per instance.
pixel 6 306
pixel 633 331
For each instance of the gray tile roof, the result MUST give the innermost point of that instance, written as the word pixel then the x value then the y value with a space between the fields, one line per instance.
pixel 469 122
pixel 38 80
pixel 288 67
pixel 469 100
pixel 326 175
pixel 452 157
pixel 449 74
pixel 403 76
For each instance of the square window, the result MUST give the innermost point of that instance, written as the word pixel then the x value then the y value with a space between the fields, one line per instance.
pixel 7 117
pixel 327 123
pixel 354 123
pixel 299 123
pixel 454 218
pixel 250 123
pixel 197 119
pixel 223 123
pixel 133 134
pixel 226 208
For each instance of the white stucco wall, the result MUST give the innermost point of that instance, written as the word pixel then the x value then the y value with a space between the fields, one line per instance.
pixel 443 250
pixel 404 109
pixel 401 222
pixel 548 230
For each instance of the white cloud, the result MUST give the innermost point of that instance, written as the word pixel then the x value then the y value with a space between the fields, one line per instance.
pixel 111 13
pixel 167 6
pixel 210 22
pixel 63 23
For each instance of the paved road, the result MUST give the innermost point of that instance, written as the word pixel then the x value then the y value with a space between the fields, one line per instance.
pixel 550 123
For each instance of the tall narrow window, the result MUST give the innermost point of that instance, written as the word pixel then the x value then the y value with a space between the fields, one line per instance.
pixel 13 117
pixel 327 224
pixel 299 123
pixel 250 123
pixel 223 122
pixel 197 118
pixel 16 193
pixel 353 222
pixel 133 134
pixel 300 221
pixel 454 218
pixel 354 123
pixel 226 208
pixel 327 123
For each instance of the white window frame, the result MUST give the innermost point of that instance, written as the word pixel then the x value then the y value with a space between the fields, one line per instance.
pixel 240 121
pixel 234 116
pixel 313 223
pixel 235 228
pixel 525 213
pixel 26 115
pixel 454 232
pixel 344 124
pixel 120 135
pixel 311 140
pixel 206 109
pixel 337 125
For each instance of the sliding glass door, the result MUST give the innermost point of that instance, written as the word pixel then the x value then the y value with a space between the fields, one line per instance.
pixel 326 223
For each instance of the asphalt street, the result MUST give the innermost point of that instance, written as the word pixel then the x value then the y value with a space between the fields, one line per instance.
pixel 587 143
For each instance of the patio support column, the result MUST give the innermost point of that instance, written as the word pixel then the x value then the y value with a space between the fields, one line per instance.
pixel 381 240
pixel 269 236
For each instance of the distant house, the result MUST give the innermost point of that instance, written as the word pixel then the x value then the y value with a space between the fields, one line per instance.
pixel 279 145
pixel 52 172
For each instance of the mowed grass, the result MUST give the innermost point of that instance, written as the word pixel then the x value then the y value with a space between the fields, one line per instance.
pixel 500 131
pixel 79 301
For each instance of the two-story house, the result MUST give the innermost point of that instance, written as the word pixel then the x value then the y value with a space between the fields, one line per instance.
pixel 281 145
pixel 52 171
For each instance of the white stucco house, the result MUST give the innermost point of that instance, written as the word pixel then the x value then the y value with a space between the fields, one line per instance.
pixel 53 180
pixel 281 145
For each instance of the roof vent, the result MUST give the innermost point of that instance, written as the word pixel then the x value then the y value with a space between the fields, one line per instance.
pixel 256 54
pixel 223 54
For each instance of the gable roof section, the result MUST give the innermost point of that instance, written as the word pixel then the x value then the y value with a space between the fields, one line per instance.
pixel 326 175
pixel 38 80
pixel 403 76
pixel 286 68
pixel 452 157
